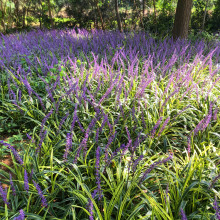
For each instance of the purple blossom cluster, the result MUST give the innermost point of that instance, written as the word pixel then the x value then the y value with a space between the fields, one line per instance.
pixel 26 183
pixel 153 166
pixel 217 209
pixel 12 185
pixel 68 146
pixel 90 205
pixel 183 215
pixel 21 215
pixel 100 87
pixel 97 168
pixel 40 193
pixel 3 194
pixel 15 153
pixel 215 180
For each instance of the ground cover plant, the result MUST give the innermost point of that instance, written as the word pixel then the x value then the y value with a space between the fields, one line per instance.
pixel 109 125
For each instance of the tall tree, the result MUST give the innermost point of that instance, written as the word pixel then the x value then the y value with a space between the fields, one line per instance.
pixel 2 15
pixel 100 14
pixel 205 12
pixel 182 19
pixel 118 16
pixel 50 13
pixel 155 14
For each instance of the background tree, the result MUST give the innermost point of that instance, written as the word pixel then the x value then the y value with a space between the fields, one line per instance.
pixel 50 13
pixel 205 13
pixel 118 16
pixel 182 19
pixel 100 13
pixel 112 14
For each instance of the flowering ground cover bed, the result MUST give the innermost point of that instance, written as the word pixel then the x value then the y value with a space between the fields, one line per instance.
pixel 109 125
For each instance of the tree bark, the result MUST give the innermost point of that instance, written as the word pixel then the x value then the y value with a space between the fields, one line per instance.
pixel 41 15
pixel 143 7
pixel 17 12
pixel 118 16
pixel 182 19
pixel 24 15
pixel 3 17
pixel 133 14
pixel 100 15
pixel 50 13
pixel 155 14
pixel 205 12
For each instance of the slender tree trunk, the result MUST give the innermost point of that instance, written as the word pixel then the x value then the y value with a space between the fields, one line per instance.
pixel 17 12
pixel 141 16
pixel 182 19
pixel 50 13
pixel 118 16
pixel 155 14
pixel 41 15
pixel 24 15
pixel 205 12
pixel 3 17
pixel 10 19
pixel 126 13
pixel 133 13
pixel 100 15
pixel 143 7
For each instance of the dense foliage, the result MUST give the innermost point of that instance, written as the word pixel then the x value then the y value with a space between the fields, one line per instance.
pixel 154 15
pixel 109 125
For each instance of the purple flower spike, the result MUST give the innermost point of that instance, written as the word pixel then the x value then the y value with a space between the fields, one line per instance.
pixel 215 114
pixel 41 140
pixel 26 183
pixel 136 162
pixel 21 216
pixel 167 193
pixel 44 121
pixel 3 194
pixel 153 131
pixel 62 121
pixel 154 165
pixel 97 135
pixel 110 140
pixel 40 193
pixel 29 137
pixel 12 186
pixel 188 145
pixel 183 215
pixel 164 125
pixel 90 205
pixel 214 180
pixel 97 168
pixel 15 153
pixel 68 145
pixel 217 209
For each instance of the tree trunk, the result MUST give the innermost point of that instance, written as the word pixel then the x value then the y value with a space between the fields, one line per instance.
pixel 41 15
pixel 118 16
pixel 17 12
pixel 100 15
pixel 3 23
pixel 50 13
pixel 24 14
pixel 182 19
pixel 3 17
pixel 143 1
pixel 155 14
pixel 205 12
pixel 133 13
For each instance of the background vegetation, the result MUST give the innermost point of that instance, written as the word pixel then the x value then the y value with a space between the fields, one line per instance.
pixel 156 16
